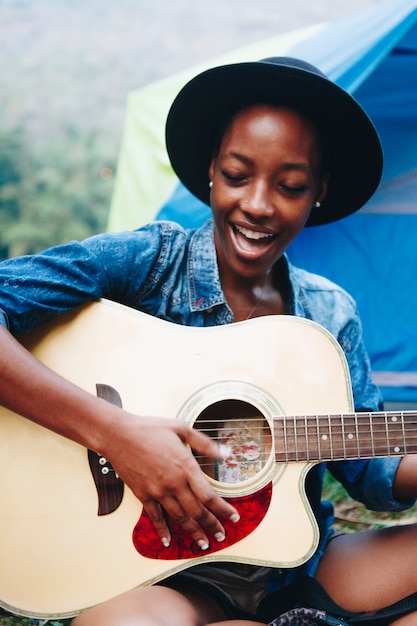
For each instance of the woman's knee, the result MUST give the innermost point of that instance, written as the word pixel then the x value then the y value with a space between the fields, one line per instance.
pixel 145 606
pixel 372 569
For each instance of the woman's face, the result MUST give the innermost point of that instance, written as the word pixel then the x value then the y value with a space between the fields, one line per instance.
pixel 266 178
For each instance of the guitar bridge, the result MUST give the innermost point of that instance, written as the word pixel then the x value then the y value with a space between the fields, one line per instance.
pixel 109 486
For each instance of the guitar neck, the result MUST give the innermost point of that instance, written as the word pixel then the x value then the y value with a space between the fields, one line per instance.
pixel 350 436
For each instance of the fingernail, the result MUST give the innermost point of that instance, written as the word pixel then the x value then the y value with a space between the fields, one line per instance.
pixel 203 544
pixel 225 451
pixel 235 517
pixel 165 542
pixel 220 536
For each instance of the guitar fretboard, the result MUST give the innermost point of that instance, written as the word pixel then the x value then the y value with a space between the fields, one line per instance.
pixel 349 436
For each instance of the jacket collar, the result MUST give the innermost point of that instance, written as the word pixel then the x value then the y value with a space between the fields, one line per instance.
pixel 204 280
pixel 203 272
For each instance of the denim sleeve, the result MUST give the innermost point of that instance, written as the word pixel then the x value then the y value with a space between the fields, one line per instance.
pixel 369 481
pixel 33 289
pixel 366 395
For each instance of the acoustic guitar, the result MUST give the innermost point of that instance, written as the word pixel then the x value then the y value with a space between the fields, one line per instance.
pixel 275 389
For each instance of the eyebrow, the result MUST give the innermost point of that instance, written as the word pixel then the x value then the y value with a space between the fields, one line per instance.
pixel 301 167
pixel 238 156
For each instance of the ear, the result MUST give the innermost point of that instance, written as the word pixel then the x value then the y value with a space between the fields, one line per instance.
pixel 324 184
pixel 212 168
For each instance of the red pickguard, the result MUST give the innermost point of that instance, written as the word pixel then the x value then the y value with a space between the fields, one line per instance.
pixel 252 509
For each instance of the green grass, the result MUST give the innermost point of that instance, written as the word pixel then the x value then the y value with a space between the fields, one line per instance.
pixel 349 517
pixel 12 620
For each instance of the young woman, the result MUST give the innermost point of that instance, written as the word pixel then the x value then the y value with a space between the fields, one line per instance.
pixel 272 146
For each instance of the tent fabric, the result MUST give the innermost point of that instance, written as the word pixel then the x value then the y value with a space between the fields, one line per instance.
pixel 373 254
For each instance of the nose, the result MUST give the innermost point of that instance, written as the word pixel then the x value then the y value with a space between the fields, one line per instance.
pixel 256 200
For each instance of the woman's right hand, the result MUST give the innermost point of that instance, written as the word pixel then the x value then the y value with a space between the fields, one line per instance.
pixel 153 457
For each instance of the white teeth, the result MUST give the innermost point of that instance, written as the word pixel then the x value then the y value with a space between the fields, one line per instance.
pixel 252 234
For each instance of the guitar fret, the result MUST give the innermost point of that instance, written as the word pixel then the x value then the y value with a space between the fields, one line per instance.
pixel 343 435
pixel 371 423
pixel 318 439
pixel 295 439
pixel 324 437
pixel 411 445
pixel 387 435
pixel 312 436
pixel 285 443
pixel 312 433
pixel 357 435
pixel 404 439
pixel 386 432
pixel 347 435
pixel 330 436
pixel 394 437
pixel 397 424
pixel 306 437
pixel 364 434
pixel 380 434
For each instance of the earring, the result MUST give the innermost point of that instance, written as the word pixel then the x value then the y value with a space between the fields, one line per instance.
pixel 211 184
pixel 317 205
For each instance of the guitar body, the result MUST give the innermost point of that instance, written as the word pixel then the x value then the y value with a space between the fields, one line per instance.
pixel 58 556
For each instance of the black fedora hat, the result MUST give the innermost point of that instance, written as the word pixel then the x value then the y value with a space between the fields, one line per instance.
pixel 205 101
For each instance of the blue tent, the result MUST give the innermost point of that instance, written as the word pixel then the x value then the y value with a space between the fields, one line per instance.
pixel 373 254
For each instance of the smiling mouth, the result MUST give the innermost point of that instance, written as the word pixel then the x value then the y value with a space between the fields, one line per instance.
pixel 253 235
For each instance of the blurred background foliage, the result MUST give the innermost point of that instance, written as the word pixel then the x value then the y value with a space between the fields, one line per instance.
pixel 53 193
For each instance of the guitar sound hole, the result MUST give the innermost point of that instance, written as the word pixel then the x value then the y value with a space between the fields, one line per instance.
pixel 244 430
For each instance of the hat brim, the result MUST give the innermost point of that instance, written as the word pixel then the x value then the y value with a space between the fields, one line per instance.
pixel 200 107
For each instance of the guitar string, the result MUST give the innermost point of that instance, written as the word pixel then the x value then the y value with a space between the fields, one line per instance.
pixel 333 424
pixel 333 434
pixel 302 455
pixel 343 422
pixel 359 416
pixel 388 437
pixel 320 452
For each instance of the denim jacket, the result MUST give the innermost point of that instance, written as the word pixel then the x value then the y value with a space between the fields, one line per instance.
pixel 172 274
